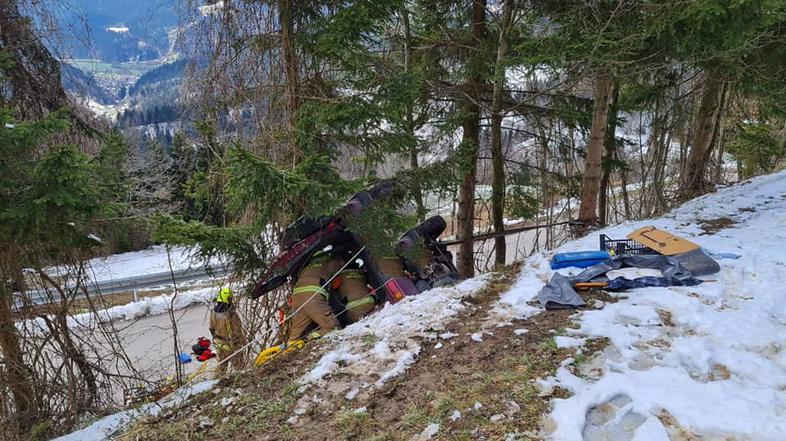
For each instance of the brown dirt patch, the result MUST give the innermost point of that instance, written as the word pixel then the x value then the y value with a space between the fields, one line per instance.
pixel 712 226
pixel 498 372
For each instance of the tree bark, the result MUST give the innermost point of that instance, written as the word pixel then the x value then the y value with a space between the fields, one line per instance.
pixel 465 260
pixel 592 168
pixel 609 143
pixel 497 156
pixel 693 180
pixel 17 376
pixel 410 119
pixel 292 71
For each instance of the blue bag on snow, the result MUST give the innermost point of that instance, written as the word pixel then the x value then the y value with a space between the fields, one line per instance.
pixel 579 259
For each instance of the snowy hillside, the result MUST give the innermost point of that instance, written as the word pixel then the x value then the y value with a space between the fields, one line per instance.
pixel 708 360
pixel 482 360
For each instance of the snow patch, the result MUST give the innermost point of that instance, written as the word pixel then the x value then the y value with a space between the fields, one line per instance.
pixel 569 342
pixel 105 427
pixel 398 331
pixel 710 356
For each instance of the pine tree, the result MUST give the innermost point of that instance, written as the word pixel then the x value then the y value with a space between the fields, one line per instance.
pixel 47 204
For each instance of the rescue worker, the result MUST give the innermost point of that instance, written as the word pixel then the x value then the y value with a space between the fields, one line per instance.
pixel 391 266
pixel 312 301
pixel 227 330
pixel 354 288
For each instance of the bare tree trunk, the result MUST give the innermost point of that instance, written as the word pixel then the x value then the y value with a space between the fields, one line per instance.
pixel 173 321
pixel 592 168
pixel 465 260
pixel 410 129
pixel 611 127
pixel 292 72
pixel 497 156
pixel 693 180
pixel 17 374
pixel 716 141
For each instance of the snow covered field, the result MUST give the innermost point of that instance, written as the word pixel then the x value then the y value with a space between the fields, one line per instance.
pixel 702 362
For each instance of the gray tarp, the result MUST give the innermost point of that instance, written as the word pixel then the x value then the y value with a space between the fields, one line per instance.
pixel 677 270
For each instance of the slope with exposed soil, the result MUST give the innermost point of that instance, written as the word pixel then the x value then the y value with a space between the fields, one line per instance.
pixel 482 361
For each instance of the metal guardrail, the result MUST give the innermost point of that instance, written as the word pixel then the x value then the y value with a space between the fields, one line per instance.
pixel 128 284
pixel 507 232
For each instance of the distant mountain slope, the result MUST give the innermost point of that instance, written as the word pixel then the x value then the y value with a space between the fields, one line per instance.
pixel 84 85
pixel 155 97
pixel 121 30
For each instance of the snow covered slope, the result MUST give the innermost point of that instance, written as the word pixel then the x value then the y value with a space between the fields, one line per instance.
pixel 702 362
pixel 385 344
pixel 138 263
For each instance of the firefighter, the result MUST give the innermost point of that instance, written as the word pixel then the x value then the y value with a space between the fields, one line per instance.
pixel 227 330
pixel 311 298
pixel 353 287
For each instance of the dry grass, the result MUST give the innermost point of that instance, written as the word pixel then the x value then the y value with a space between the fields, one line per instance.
pixel 498 372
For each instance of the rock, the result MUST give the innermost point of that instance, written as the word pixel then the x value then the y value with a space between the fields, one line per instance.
pixel 513 407
pixel 427 433
pixel 352 393
pixel 497 417
pixel 204 422
pixel 615 433
pixel 455 416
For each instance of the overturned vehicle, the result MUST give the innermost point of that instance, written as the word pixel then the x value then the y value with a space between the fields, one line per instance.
pixel 337 278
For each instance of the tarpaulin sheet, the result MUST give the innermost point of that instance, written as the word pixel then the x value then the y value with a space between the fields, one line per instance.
pixel 676 270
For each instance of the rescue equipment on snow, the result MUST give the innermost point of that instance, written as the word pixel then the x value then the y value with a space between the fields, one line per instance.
pixel 662 241
pixel 579 259
pixel 679 270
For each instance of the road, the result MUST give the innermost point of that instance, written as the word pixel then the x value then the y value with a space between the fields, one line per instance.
pixel 149 344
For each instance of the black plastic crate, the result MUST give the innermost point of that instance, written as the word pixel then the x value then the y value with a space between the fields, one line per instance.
pixel 623 246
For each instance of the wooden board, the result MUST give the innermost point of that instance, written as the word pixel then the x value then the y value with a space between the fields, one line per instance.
pixel 662 241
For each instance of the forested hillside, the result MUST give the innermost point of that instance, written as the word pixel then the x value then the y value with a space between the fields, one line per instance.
pixel 565 116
